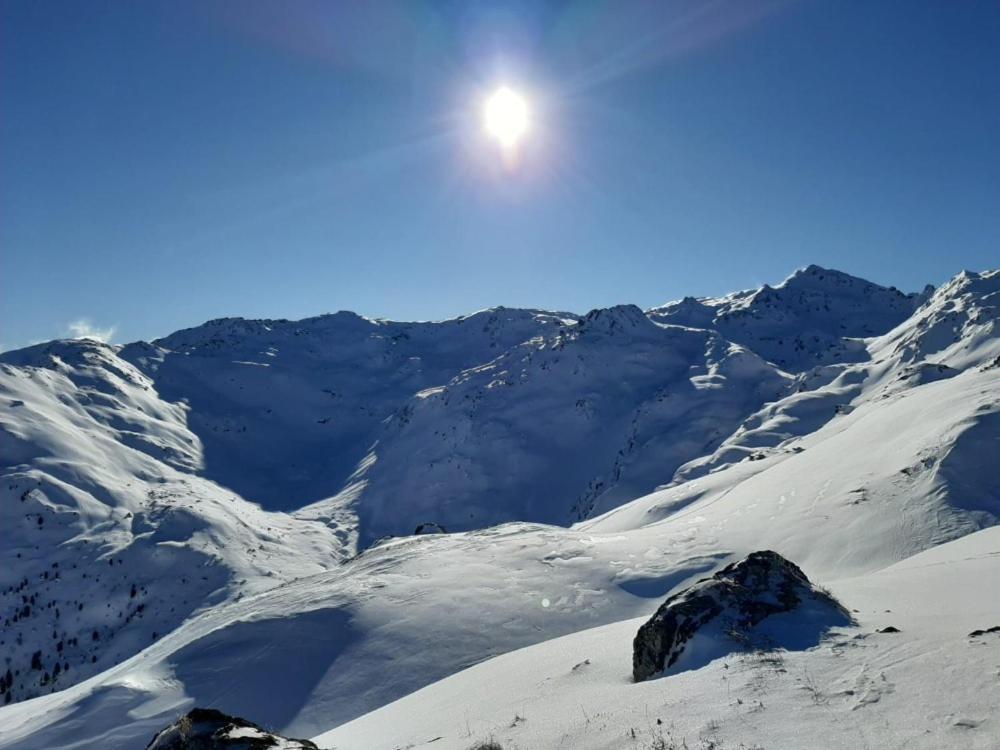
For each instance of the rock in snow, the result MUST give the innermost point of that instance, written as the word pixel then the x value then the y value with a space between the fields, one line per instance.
pixel 208 729
pixel 738 598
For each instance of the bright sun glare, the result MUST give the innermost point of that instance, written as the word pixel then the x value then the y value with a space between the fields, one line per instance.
pixel 506 116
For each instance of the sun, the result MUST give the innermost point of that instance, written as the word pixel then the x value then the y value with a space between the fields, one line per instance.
pixel 506 116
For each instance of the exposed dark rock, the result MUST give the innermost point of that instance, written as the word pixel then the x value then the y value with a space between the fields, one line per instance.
pixel 208 729
pixel 738 597
pixel 430 528
pixel 975 633
pixel 888 629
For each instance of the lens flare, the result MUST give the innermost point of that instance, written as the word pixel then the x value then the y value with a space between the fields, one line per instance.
pixel 506 116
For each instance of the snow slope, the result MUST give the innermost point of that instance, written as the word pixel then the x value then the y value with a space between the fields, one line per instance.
pixel 814 317
pixel 929 686
pixel 557 427
pixel 285 410
pixel 106 543
pixel 853 467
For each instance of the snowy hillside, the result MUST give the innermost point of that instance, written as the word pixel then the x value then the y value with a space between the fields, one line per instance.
pixel 108 541
pixel 558 427
pixel 286 410
pixel 680 440
pixel 933 685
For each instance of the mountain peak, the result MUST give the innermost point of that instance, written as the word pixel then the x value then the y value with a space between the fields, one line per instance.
pixel 956 324
pixel 818 276
pixel 66 350
pixel 615 319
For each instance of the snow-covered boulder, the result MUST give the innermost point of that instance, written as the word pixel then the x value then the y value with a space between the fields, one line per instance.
pixel 725 609
pixel 208 729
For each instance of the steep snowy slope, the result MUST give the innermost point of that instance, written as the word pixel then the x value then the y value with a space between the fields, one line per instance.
pixel 852 467
pixel 111 534
pixel 909 467
pixel 479 411
pixel 932 685
pixel 285 410
pixel 814 317
pixel 893 477
pixel 955 330
pixel 104 545
pixel 959 327
pixel 559 426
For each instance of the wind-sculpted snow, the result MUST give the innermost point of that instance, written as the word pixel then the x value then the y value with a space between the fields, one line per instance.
pixel 560 427
pixel 106 543
pixel 129 475
pixel 879 478
pixel 814 317
pixel 329 647
pixel 958 327
pixel 931 685
pixel 285 410
pixel 955 330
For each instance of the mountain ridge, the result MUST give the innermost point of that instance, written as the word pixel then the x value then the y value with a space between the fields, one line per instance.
pixel 125 462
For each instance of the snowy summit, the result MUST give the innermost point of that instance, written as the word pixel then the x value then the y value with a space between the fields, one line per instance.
pixel 378 534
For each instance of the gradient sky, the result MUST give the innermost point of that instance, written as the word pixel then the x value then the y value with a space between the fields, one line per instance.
pixel 164 163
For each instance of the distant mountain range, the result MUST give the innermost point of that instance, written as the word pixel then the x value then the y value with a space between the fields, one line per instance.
pixel 302 521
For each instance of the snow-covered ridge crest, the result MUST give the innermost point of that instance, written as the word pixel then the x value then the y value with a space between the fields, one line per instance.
pixel 148 465
pixel 814 317
pixel 958 326
pixel 599 400
pixel 628 320
pixel 345 325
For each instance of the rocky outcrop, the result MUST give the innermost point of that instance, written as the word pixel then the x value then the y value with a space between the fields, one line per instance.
pixel 430 528
pixel 208 729
pixel 734 600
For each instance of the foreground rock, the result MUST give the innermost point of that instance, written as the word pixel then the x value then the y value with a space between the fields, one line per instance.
pixel 726 609
pixel 208 729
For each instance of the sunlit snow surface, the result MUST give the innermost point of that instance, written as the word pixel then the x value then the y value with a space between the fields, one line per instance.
pixel 864 470
pixel 929 686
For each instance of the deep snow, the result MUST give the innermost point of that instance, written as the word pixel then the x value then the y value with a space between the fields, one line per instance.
pixel 128 474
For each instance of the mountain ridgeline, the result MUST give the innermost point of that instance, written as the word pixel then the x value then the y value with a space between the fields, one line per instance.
pixel 159 498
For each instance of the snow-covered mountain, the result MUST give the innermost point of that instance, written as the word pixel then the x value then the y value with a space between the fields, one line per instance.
pixel 285 411
pixel 193 521
pixel 558 428
pixel 816 316
pixel 109 540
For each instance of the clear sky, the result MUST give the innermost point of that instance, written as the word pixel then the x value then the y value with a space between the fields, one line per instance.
pixel 163 163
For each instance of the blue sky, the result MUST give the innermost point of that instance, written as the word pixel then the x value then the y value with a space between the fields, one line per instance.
pixel 163 163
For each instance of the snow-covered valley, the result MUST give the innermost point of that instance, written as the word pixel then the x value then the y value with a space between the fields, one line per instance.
pixel 227 517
